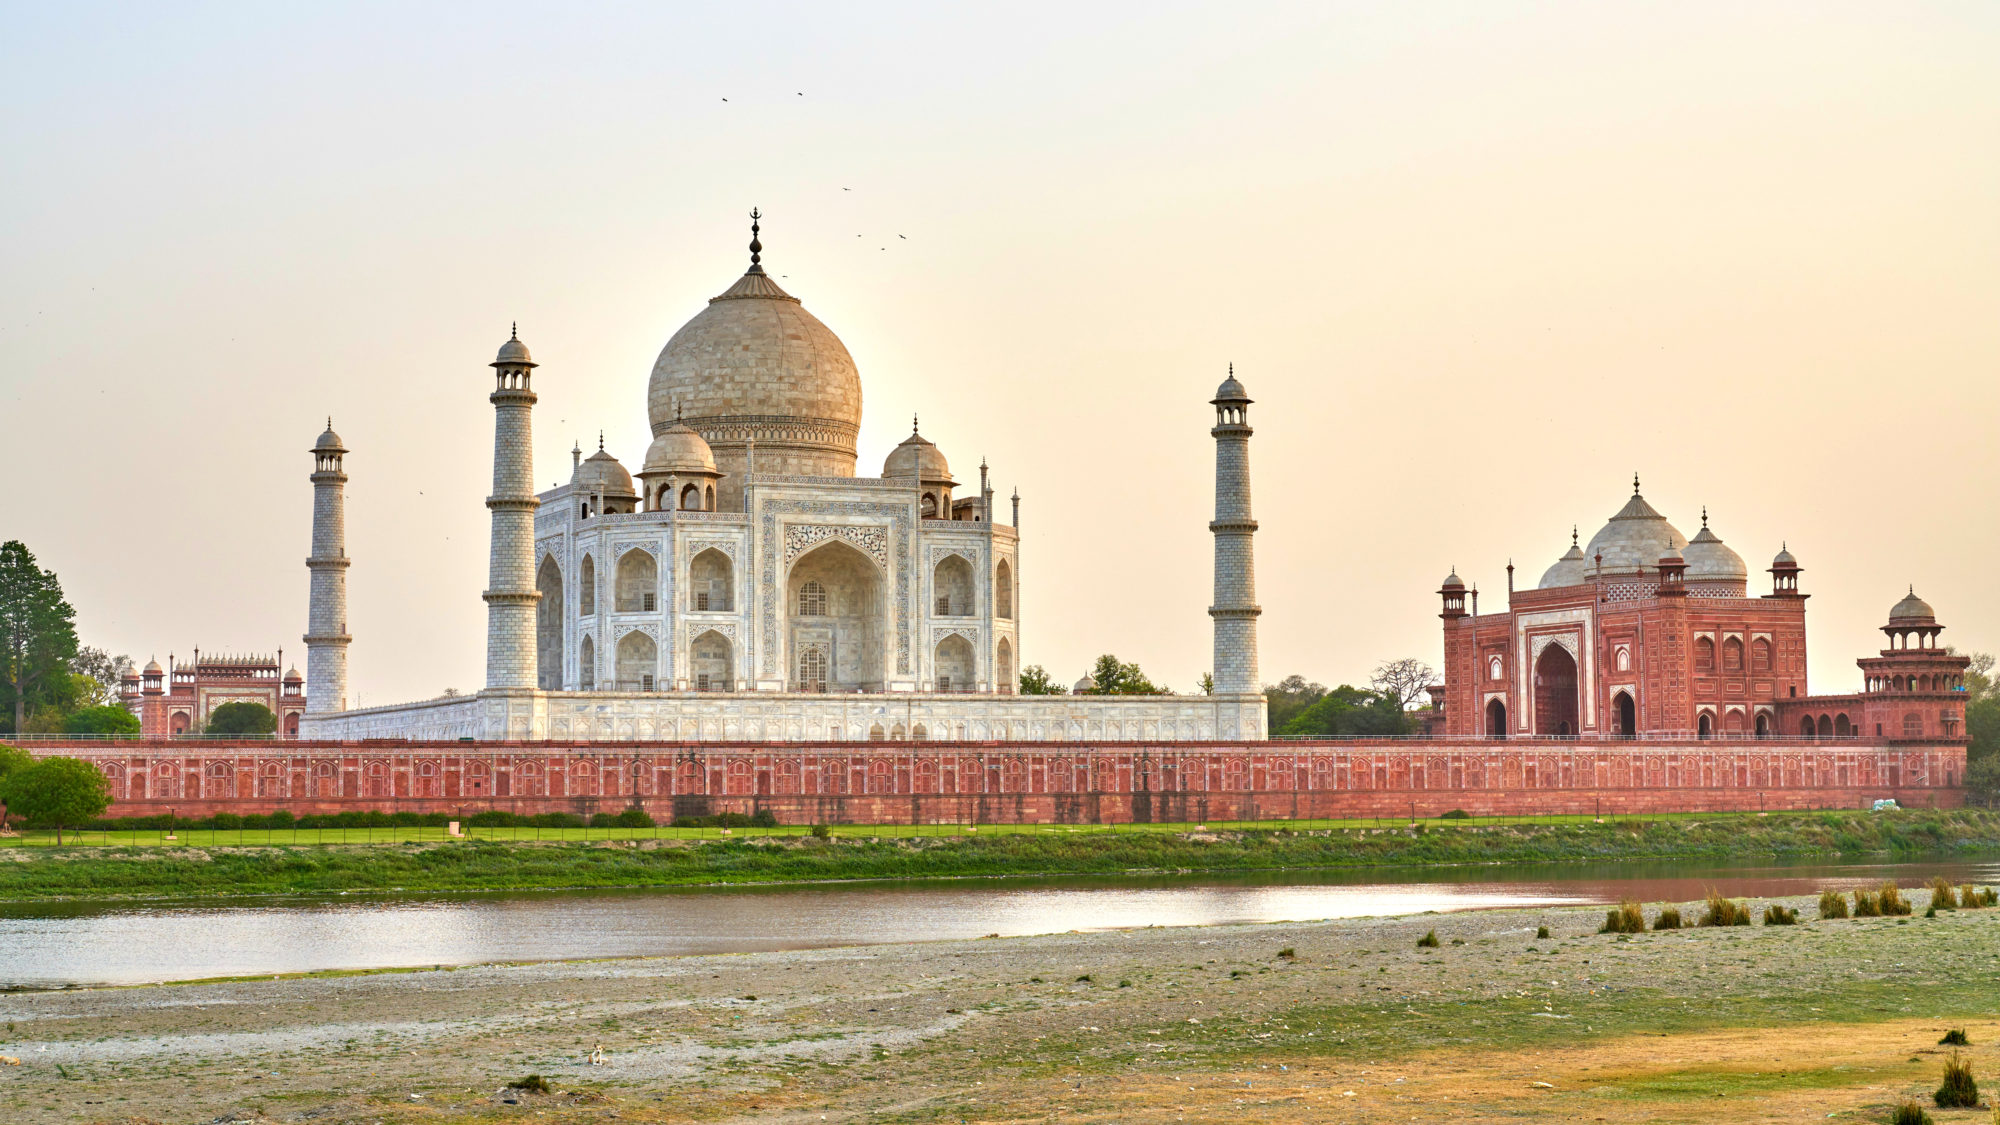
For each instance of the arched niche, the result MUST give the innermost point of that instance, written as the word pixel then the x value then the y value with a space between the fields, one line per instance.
pixel 846 587
pixel 549 625
pixel 951 587
pixel 711 583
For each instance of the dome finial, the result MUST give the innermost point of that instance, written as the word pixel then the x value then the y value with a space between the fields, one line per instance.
pixel 1572 535
pixel 913 424
pixel 600 441
pixel 1704 515
pixel 1635 484
pixel 677 410
pixel 756 247
pixel 514 330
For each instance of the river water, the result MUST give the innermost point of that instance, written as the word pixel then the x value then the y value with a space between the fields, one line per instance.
pixel 44 945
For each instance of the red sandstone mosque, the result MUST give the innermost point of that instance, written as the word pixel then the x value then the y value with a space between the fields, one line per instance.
pixel 1646 634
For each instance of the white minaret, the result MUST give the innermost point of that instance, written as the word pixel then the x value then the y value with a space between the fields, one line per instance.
pixel 510 586
pixel 1235 610
pixel 326 623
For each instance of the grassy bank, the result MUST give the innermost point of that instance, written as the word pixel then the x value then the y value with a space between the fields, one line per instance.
pixel 43 873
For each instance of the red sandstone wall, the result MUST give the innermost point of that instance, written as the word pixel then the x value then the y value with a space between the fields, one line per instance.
pixel 1014 782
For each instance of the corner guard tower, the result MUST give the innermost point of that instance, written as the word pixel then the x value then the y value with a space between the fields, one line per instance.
pixel 1235 610
pixel 326 627
pixel 510 587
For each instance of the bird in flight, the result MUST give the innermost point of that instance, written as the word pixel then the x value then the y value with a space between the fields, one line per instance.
pixel 904 237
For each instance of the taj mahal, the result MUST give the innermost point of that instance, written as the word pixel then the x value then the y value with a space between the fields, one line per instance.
pixel 748 584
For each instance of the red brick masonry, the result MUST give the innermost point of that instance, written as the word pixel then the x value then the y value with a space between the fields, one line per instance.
pixel 1021 782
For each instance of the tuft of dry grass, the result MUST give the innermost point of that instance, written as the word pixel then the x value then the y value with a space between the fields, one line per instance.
pixel 1428 941
pixel 1721 911
pixel 1956 1037
pixel 1832 904
pixel 1669 919
pixel 1891 902
pixel 1958 1090
pixel 1628 918
pixel 1909 1113
pixel 1865 905
pixel 1942 896
pixel 1775 915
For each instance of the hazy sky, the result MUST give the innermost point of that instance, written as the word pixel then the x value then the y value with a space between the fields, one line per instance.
pixel 1478 263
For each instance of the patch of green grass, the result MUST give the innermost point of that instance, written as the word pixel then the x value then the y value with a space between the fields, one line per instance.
pixel 1699 1082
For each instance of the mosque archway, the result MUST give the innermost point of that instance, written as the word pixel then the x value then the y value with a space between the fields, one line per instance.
pixel 712 662
pixel 1496 719
pixel 1555 693
pixel 549 626
pixel 951 587
pixel 711 583
pixel 954 664
pixel 834 598
pixel 1628 715
pixel 638 662
pixel 638 583
pixel 1705 726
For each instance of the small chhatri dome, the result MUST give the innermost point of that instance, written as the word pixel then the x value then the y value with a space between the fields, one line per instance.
pixel 1784 557
pixel 1452 581
pixel 1710 559
pixel 1912 610
pixel 1230 390
pixel 292 676
pixel 1570 570
pixel 1634 539
pixel 1084 686
pixel 601 472
pixel 679 450
pixel 513 353
pixel 916 457
pixel 329 442
pixel 153 668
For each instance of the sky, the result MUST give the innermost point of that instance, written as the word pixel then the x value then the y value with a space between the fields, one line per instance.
pixel 1477 263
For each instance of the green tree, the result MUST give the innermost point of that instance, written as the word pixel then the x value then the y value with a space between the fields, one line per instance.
pixel 104 672
pixel 1115 677
pixel 1035 681
pixel 104 719
pixel 240 718
pixel 1285 699
pixel 1206 683
pixel 12 758
pixel 56 792
pixel 37 632
pixel 1982 728
pixel 1350 712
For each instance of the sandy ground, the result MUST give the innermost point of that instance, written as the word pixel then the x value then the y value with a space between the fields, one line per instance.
pixel 1331 1021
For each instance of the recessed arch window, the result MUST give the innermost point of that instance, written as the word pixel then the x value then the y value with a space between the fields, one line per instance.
pixel 1622 659
pixel 1732 655
pixel 1913 725
pixel 1496 669
pixel 812 599
pixel 1704 654
pixel 1760 655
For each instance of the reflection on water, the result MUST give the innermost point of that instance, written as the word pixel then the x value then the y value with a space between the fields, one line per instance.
pixel 53 944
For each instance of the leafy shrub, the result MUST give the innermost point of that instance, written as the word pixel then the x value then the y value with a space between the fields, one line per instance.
pixel 1720 911
pixel 1541 931
pixel 1832 904
pixel 1287 953
pixel 1891 902
pixel 225 820
pixel 1669 919
pixel 1628 918
pixel 1775 915
pixel 1428 941
pixel 821 832
pixel 1955 1038
pixel 1455 814
pixel 1942 896
pixel 1958 1090
pixel 1909 1113
pixel 763 818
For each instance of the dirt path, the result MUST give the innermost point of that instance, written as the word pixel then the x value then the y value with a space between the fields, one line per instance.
pixel 1334 1021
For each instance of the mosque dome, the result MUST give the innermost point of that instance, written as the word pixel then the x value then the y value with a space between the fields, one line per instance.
pixel 1452 581
pixel 1570 570
pixel 601 472
pixel 1230 390
pixel 916 457
pixel 292 675
pixel 1084 686
pixel 679 449
pixel 1634 540
pixel 153 668
pixel 755 366
pixel 1709 559
pixel 1912 610
pixel 1784 558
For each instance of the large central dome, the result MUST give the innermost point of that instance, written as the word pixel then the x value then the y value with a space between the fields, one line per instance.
pixel 755 366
